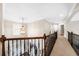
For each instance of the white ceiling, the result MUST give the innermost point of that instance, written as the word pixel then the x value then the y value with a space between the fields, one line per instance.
pixel 52 12
pixel 75 17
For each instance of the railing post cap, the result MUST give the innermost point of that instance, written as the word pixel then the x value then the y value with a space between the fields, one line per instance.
pixel 71 32
pixel 44 36
pixel 3 38
pixel 3 35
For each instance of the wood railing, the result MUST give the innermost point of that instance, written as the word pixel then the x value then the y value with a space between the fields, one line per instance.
pixel 28 46
pixel 74 41
pixel 49 43
pixel 70 37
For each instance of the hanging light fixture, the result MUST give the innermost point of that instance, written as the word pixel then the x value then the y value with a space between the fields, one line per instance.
pixel 22 29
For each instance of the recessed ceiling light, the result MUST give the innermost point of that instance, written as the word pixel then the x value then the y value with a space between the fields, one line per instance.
pixel 61 15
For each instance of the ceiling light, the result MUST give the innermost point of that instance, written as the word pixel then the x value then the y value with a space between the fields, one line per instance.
pixel 61 15
pixel 22 29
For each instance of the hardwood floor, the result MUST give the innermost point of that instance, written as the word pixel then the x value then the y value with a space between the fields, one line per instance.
pixel 62 48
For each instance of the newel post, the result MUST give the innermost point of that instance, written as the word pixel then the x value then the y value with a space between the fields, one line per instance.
pixel 3 38
pixel 44 44
pixel 44 36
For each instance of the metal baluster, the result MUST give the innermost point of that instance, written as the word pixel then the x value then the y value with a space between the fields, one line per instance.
pixel 43 47
pixel 12 47
pixel 20 47
pixel 17 47
pixel 8 48
pixel 24 47
pixel 28 47
pixel 35 47
pixel 39 47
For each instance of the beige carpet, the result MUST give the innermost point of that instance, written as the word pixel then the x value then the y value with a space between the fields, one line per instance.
pixel 62 48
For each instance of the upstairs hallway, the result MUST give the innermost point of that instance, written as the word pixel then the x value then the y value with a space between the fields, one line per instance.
pixel 62 48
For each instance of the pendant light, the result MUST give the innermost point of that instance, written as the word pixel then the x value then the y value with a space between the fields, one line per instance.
pixel 22 29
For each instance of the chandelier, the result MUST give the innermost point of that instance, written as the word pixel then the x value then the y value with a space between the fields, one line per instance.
pixel 22 29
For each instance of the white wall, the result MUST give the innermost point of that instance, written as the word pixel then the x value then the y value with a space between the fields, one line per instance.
pixel 72 26
pixel 0 27
pixel 38 28
pixel 0 19
pixel 8 28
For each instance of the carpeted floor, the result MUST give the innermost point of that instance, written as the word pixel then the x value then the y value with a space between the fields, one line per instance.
pixel 62 48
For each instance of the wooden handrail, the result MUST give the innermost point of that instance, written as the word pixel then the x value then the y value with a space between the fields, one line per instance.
pixel 25 38
pixel 3 39
pixel 44 37
pixel 22 38
pixel 71 41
